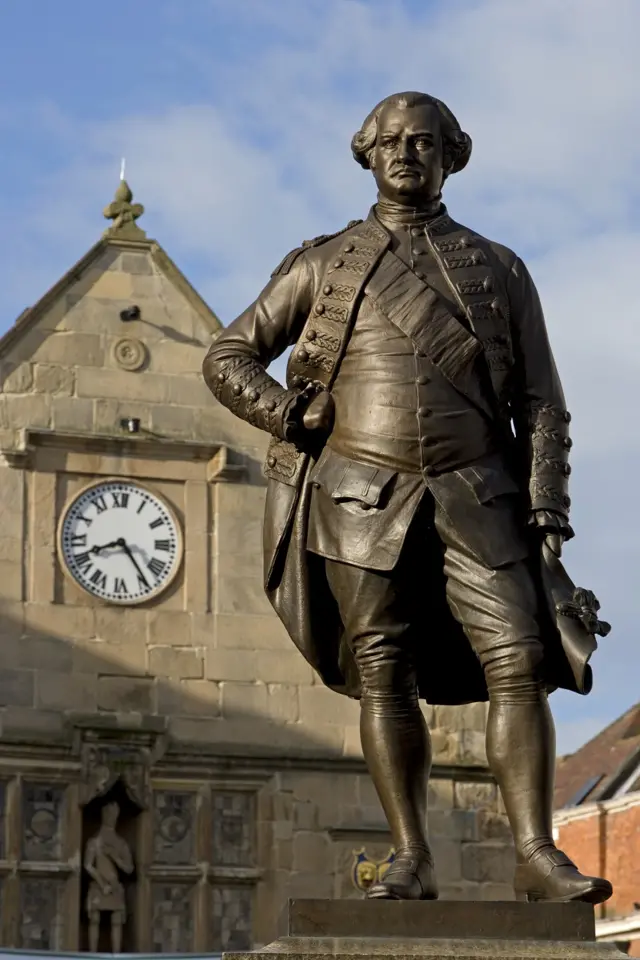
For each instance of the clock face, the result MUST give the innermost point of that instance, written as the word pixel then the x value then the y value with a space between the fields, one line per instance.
pixel 120 542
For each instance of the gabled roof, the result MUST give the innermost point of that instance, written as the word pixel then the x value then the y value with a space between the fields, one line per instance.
pixel 607 766
pixel 124 233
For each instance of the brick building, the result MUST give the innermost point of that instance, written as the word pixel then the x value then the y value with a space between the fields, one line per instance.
pixel 152 673
pixel 597 821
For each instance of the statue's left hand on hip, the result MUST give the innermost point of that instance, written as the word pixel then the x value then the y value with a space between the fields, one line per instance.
pixel 554 527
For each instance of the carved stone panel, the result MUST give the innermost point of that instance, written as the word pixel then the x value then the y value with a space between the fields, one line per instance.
pixel 231 917
pixel 41 902
pixel 172 921
pixel 174 826
pixel 41 821
pixel 233 829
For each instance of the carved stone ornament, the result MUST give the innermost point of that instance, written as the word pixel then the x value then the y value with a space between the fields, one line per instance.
pixel 130 354
pixel 106 763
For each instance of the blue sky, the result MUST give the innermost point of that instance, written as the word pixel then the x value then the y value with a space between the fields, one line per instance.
pixel 235 118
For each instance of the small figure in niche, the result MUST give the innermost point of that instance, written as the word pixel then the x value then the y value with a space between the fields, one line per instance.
pixel 105 855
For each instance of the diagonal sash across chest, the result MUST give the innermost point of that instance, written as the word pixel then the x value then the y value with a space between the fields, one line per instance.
pixel 466 263
pixel 422 315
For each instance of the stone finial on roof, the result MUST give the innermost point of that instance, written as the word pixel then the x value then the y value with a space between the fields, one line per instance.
pixel 124 214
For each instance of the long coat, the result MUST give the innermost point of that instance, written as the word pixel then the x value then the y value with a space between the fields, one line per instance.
pixel 313 300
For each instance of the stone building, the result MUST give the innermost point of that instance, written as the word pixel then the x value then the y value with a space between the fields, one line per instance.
pixel 597 821
pixel 141 665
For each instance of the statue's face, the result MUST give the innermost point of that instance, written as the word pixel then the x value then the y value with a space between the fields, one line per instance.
pixel 407 156
pixel 110 814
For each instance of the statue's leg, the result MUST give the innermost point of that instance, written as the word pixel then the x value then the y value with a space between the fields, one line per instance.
pixel 117 919
pixel 395 739
pixel 498 611
pixel 94 930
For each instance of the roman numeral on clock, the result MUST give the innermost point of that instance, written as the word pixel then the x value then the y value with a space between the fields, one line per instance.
pixel 120 587
pixel 99 579
pixel 83 561
pixel 156 566
pixel 100 504
pixel 162 545
pixel 120 500
pixel 156 523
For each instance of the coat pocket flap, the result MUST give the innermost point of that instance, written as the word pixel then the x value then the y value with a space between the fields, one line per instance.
pixel 344 479
pixel 488 481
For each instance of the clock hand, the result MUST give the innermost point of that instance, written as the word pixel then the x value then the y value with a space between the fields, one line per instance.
pixel 105 546
pixel 121 542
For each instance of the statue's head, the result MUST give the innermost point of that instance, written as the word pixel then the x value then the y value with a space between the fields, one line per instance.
pixel 110 814
pixel 411 142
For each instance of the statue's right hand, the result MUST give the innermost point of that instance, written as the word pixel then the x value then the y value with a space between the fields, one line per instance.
pixel 106 889
pixel 320 413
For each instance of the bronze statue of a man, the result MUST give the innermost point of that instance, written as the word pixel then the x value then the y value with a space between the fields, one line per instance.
pixel 417 499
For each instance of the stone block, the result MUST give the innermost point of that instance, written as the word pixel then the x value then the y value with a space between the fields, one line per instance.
pixel 283 702
pixel 11 550
pixel 471 716
pixel 126 694
pixel 176 663
pixel 242 699
pixel 268 666
pixel 30 722
pixel 240 632
pixel 475 795
pixel 493 826
pixel 169 628
pixel 59 620
pixel 138 264
pixel 455 825
pixel 108 414
pixel 66 691
pixel 67 348
pixel 72 414
pixel 319 705
pixel 53 379
pixel 418 928
pixel 25 410
pixel 17 688
pixel 112 284
pixel 487 862
pixel 305 815
pixel 16 377
pixel 44 654
pixel 189 698
pixel 448 858
pixel 241 595
pixel 176 358
pixel 312 851
pixel 445 746
pixel 173 421
pixel 352 744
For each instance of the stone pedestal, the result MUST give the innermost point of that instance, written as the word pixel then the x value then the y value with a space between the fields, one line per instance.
pixel 465 930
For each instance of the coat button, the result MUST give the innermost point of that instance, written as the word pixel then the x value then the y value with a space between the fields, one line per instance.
pixel 319 308
pixel 415 231
pixel 296 381
pixel 425 412
pixel 430 471
pixel 422 380
pixel 270 406
pixel 311 334
pixel 254 395
pixel 237 389
pixel 302 356
pixel 327 290
pixel 271 462
pixel 349 247
pixel 338 263
pixel 427 441
pixel 222 377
